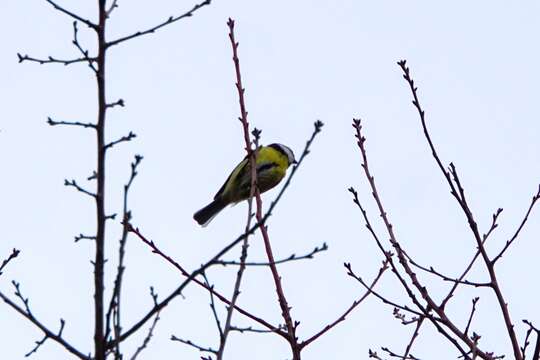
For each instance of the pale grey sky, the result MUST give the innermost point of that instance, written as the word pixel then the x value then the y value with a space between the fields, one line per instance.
pixel 476 65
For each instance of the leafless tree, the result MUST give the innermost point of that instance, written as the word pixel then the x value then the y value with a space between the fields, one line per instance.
pixel 423 308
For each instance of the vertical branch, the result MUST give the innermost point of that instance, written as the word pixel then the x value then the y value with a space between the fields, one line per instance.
pixel 458 192
pixel 285 310
pixel 99 263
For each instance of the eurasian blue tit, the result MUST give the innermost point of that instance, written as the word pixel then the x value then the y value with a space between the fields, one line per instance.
pixel 272 163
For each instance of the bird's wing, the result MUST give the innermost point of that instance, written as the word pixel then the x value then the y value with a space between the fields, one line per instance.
pixel 233 175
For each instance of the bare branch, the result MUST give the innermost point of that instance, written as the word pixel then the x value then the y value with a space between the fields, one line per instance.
pixel 42 341
pixel 127 137
pixel 113 6
pixel 170 20
pixel 192 344
pixel 74 184
pixel 114 304
pixel 73 15
pixel 157 251
pixel 452 178
pixel 71 123
pixel 285 309
pixel 516 234
pixel 13 255
pixel 148 337
pixel 53 60
pixel 403 261
pixel 396 306
pixel 414 336
pixel 84 52
pixel 213 307
pixel 253 330
pixel 474 301
pixel 383 268
pixel 119 102
pixel 84 237
pixel 292 257
pixel 27 313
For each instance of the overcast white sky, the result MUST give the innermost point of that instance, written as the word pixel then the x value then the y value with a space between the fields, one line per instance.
pixel 476 65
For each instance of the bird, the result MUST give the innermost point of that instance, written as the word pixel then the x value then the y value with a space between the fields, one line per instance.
pixel 272 164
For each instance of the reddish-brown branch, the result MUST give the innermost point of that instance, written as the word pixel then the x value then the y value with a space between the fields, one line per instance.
pixel 383 268
pixel 458 192
pixel 516 234
pixel 431 304
pixel 171 261
pixel 285 310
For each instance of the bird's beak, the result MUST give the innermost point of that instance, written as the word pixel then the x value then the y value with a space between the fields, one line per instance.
pixel 295 162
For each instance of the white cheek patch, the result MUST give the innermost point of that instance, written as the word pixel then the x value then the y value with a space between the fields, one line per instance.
pixel 287 151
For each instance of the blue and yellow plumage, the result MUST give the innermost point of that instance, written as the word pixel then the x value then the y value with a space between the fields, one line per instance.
pixel 272 163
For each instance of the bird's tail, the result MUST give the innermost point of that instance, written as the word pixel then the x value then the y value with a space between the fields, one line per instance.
pixel 207 213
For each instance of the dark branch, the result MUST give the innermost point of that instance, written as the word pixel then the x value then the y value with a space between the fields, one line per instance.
pixel 127 137
pixel 70 123
pixel 291 258
pixel 27 313
pixel 115 304
pixel 45 337
pixel 76 186
pixel 13 255
pixel 119 102
pixel 192 344
pixel 473 310
pixel 516 234
pixel 148 337
pixel 53 60
pixel 84 52
pixel 113 6
pixel 84 237
pixel 213 307
pixel 170 20
pixel 383 268
pixel 73 15
pixel 171 261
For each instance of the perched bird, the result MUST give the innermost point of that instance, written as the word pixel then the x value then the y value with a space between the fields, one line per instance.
pixel 272 163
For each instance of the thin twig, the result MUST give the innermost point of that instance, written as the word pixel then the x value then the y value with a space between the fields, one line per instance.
pixel 39 343
pixel 73 15
pixel 151 30
pixel 213 306
pixel 516 234
pixel 53 60
pixel 115 303
pixel 192 344
pixel 292 257
pixel 383 268
pixel 474 301
pixel 419 323
pixel 13 255
pixel 243 256
pixel 74 184
pixel 127 137
pixel 84 53
pixel 71 123
pixel 150 333
pixel 50 334
pixel 171 261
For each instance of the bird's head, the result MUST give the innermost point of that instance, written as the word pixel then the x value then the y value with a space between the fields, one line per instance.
pixel 285 150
